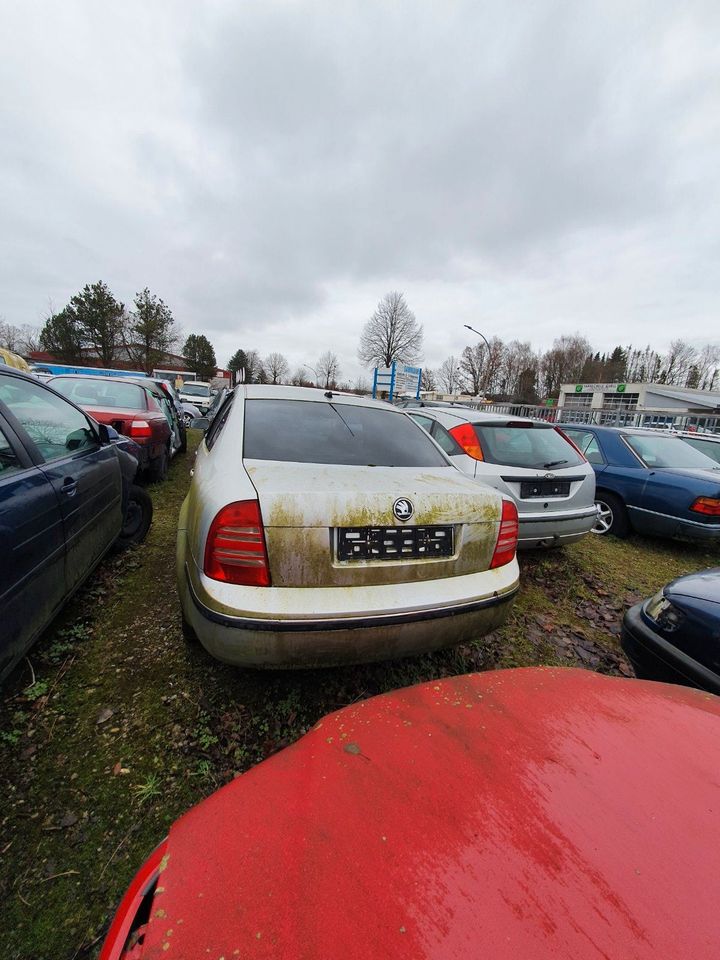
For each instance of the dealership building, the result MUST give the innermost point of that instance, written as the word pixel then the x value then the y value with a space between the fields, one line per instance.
pixel 656 397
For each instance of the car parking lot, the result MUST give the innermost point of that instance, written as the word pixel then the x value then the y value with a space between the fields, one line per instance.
pixel 116 725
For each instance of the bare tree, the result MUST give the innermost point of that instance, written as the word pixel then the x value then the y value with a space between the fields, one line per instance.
pixel 391 334
pixel 564 362
pixel 328 370
pixel 471 365
pixel 449 375
pixel 428 380
pixel 277 368
pixel 678 363
pixel 361 385
pixel 300 378
pixel 22 339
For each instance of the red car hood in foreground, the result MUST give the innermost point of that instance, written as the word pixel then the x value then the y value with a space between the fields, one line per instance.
pixel 519 814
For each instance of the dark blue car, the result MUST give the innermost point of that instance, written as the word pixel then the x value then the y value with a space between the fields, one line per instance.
pixel 65 495
pixel 653 483
pixel 675 635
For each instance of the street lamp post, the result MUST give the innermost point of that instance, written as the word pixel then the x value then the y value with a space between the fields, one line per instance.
pixel 308 367
pixel 468 327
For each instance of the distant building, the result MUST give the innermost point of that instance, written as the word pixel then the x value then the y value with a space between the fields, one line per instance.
pixel 658 397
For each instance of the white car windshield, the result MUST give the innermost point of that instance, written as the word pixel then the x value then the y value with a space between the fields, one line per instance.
pixel 195 390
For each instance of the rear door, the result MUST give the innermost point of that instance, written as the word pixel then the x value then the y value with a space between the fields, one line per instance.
pixel 85 474
pixel 32 550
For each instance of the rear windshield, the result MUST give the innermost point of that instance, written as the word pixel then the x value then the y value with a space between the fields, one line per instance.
pixel 711 448
pixel 195 390
pixel 669 452
pixel 305 431
pixel 525 445
pixel 101 392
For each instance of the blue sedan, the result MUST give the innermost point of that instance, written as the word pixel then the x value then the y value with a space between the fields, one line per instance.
pixel 675 635
pixel 66 496
pixel 652 483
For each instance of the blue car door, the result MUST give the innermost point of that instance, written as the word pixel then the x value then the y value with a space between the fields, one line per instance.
pixel 32 550
pixel 84 473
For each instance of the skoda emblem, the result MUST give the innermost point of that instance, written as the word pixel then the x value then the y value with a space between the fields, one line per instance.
pixel 549 476
pixel 403 509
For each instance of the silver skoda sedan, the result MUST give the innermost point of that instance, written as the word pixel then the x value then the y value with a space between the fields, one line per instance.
pixel 531 461
pixel 323 528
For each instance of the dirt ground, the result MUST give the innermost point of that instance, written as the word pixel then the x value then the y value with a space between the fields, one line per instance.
pixel 115 725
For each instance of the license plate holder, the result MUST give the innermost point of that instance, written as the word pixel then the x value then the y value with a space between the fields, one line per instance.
pixel 356 544
pixel 537 489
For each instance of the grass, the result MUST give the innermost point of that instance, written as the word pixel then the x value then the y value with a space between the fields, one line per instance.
pixel 122 726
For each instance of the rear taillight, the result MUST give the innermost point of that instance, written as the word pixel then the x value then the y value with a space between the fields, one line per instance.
pixel 710 506
pixel 507 536
pixel 571 442
pixel 235 550
pixel 140 428
pixel 465 435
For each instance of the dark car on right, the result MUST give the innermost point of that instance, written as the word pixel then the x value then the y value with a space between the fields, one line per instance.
pixel 653 483
pixel 675 635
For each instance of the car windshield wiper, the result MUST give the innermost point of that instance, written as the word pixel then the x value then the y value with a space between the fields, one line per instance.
pixel 333 407
pixel 553 463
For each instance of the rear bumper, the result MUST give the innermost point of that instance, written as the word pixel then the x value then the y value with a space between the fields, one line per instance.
pixel 554 530
pixel 370 623
pixel 654 524
pixel 655 658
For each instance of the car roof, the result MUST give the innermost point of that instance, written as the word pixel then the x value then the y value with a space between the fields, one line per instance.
pixel 536 811
pixel 620 431
pixel 264 391
pixel 470 415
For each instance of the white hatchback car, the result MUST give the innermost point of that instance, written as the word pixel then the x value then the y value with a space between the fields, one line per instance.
pixel 549 479
pixel 323 528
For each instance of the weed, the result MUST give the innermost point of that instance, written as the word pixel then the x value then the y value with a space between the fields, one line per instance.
pixel 36 690
pixel 148 789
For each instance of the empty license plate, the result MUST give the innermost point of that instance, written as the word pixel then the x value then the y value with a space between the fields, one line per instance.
pixel 544 488
pixel 394 543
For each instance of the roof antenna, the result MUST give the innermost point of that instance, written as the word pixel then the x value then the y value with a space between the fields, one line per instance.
pixel 328 394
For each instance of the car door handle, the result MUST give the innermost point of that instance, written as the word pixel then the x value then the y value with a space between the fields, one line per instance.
pixel 69 487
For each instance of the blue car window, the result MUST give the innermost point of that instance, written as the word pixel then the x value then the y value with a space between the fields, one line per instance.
pixel 8 458
pixel 55 426
pixel 587 443
pixel 658 451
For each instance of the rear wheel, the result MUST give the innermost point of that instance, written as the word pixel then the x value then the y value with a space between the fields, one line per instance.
pixel 159 466
pixel 612 516
pixel 138 518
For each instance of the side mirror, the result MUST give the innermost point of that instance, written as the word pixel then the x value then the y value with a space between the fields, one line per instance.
pixel 200 423
pixel 104 432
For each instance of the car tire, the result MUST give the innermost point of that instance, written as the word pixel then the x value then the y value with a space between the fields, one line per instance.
pixel 612 516
pixel 158 467
pixel 187 631
pixel 138 518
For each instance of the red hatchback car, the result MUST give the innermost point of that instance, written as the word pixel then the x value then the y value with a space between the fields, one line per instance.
pixel 127 407
pixel 519 815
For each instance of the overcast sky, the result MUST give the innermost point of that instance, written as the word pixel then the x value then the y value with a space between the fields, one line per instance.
pixel 271 169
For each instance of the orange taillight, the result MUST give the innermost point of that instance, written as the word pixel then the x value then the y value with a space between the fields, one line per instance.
pixel 235 551
pixel 465 435
pixel 710 506
pixel 507 536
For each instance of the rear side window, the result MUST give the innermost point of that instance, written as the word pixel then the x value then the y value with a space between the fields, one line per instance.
pixel 525 445
pixel 587 442
pixel 306 431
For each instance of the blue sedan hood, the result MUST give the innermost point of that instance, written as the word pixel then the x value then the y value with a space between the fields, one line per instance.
pixel 701 586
